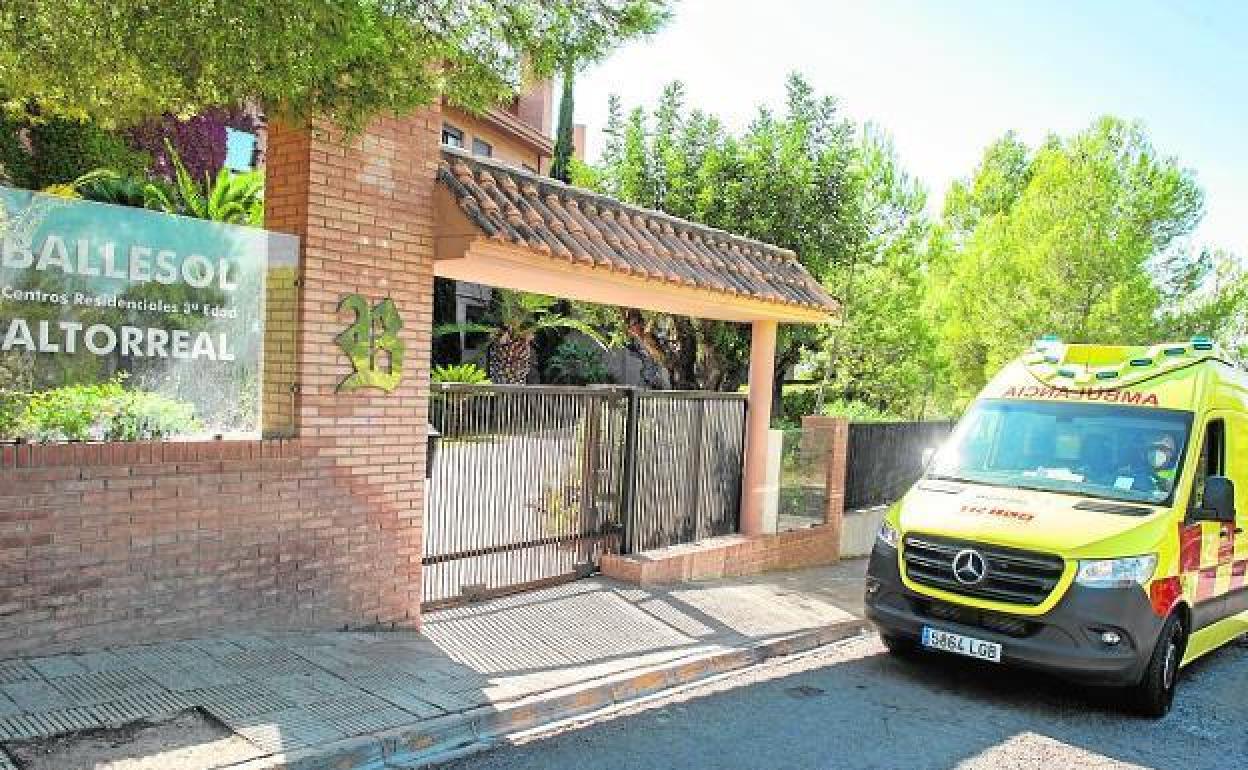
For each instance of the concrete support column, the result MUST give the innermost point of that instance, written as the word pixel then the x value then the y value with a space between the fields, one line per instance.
pixel 758 422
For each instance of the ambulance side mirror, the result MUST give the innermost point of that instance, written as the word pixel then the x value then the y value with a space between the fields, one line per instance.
pixel 1218 502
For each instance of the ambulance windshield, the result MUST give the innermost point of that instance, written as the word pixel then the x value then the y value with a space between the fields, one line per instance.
pixel 1096 450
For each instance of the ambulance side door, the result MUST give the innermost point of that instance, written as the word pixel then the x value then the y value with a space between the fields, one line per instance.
pixel 1234 539
pixel 1206 546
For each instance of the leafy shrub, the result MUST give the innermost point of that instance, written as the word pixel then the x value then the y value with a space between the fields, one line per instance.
pixel 63 149
pixel 143 415
pixel 15 161
pixel 798 401
pixel 468 374
pixel 857 411
pixel 575 363
pixel 118 190
pixel 95 412
pixel 10 413
pixel 228 197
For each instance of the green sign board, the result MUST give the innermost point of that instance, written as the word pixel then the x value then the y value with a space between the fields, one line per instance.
pixel 120 323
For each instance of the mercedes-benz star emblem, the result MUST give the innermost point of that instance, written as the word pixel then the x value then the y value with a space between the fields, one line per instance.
pixel 969 567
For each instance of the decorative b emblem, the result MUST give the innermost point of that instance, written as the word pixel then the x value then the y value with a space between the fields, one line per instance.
pixel 373 345
pixel 969 567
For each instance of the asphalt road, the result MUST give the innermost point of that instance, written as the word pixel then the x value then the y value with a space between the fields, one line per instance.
pixel 853 706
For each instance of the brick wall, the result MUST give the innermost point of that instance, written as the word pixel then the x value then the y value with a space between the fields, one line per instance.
pixel 727 556
pixel 133 542
pixel 281 352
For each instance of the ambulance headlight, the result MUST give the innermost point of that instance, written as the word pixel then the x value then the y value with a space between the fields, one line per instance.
pixel 887 535
pixel 1116 573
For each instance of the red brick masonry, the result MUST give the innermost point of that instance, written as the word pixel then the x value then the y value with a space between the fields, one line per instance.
pixel 136 542
pixel 728 556
pixel 121 542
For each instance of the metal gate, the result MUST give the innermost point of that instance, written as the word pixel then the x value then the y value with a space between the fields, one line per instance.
pixel 885 458
pixel 532 484
pixel 689 447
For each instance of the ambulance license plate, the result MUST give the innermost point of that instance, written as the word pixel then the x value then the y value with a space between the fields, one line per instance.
pixel 958 644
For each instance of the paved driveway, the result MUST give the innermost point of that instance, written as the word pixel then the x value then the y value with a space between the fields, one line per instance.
pixel 853 706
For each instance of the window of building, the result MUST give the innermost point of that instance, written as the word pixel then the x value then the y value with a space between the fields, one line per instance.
pixel 452 136
pixel 240 150
pixel 479 147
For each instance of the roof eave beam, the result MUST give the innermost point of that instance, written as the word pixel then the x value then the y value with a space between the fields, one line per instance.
pixel 507 265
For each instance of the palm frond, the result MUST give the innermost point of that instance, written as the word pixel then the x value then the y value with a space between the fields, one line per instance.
pixel 73 188
pixel 567 322
pixel 469 327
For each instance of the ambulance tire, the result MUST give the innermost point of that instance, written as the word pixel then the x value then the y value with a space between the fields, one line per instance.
pixel 899 647
pixel 1154 694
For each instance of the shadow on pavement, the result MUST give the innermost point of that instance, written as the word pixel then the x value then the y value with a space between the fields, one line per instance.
pixel 867 709
pixel 290 691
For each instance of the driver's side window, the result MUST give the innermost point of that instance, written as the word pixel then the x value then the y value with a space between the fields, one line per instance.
pixel 1211 461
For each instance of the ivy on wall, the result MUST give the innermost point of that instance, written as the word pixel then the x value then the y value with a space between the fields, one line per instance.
pixel 200 141
pixel 36 152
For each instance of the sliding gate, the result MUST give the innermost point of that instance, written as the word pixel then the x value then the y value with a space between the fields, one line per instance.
pixel 531 485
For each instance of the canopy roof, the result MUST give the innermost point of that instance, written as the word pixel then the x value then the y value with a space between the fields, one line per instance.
pixel 508 227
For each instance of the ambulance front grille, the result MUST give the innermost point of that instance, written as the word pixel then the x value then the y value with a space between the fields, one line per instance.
pixel 1010 625
pixel 1013 576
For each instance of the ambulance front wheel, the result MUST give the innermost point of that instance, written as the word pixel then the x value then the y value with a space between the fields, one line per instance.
pixel 898 646
pixel 1154 694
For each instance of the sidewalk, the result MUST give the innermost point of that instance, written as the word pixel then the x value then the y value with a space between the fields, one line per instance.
pixel 399 699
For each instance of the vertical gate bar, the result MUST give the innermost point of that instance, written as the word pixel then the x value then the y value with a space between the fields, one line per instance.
pixel 589 467
pixel 680 417
pixel 628 477
pixel 643 478
pixel 697 413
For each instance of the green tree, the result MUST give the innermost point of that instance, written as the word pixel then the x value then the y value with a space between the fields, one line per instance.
pixel 1082 237
pixel 125 60
pixel 788 180
pixel 997 184
pixel 561 162
pixel 883 353
pixel 584 39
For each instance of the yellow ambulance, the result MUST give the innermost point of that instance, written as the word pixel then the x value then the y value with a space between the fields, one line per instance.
pixel 1085 518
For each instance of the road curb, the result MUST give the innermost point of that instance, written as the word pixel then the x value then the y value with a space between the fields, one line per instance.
pixel 445 738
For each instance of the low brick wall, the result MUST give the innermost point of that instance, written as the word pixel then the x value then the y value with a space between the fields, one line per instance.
pixel 728 556
pixel 111 543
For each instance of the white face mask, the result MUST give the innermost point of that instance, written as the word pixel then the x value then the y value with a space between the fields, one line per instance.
pixel 1159 457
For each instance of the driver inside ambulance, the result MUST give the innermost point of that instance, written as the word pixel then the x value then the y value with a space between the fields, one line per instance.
pixel 1152 467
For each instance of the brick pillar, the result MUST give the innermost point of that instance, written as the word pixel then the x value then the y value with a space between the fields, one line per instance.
pixel 364 213
pixel 830 435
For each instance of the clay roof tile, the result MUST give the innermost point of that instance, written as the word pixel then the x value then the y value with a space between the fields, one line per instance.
pixel 509 204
